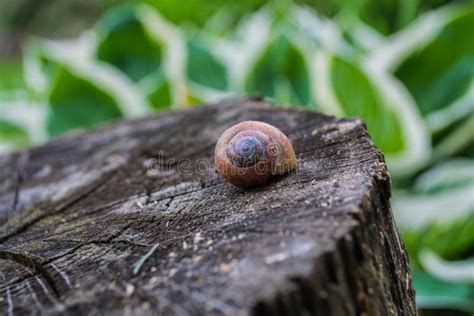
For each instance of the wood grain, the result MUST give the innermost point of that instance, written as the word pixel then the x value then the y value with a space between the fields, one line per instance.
pixel 131 218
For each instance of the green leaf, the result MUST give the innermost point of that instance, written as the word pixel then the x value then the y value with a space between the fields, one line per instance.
pixel 346 88
pixel 449 238
pixel 161 96
pixel 82 92
pixel 281 72
pixel 38 67
pixel 154 49
pixel 203 67
pixel 13 134
pixel 11 70
pixel 124 41
pixel 159 92
pixel 434 293
pixel 361 36
pixel 21 121
pixel 439 216
pixel 328 35
pixel 457 140
pixel 448 175
pixel 441 122
pixel 442 71
pixel 76 102
pixel 451 271
pixel 434 57
pixel 388 16
pixel 469 152
pixel 361 98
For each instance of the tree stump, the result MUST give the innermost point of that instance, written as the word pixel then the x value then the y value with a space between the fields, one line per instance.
pixel 131 218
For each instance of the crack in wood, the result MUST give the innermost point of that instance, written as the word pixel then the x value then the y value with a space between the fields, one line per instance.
pixel 20 258
pixel 60 208
pixel 33 263
pixel 106 241
pixel 20 167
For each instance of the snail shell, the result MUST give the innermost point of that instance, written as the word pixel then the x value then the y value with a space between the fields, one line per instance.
pixel 249 153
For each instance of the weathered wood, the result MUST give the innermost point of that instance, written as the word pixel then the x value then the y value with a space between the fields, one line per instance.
pixel 79 212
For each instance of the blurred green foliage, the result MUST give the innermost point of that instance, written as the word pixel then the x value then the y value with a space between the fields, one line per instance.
pixel 281 72
pixel 405 67
pixel 75 102
pixel 361 98
pixel 11 70
pixel 428 72
pixel 139 55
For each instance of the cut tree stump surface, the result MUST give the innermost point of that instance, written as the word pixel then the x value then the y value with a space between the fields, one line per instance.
pixel 131 218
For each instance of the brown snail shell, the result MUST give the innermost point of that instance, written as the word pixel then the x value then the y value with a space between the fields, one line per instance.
pixel 249 153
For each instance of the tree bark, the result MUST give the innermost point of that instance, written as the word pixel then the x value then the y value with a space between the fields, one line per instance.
pixel 131 218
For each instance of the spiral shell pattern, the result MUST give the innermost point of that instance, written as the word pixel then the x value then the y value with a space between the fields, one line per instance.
pixel 249 153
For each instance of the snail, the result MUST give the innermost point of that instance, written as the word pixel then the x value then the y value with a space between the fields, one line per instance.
pixel 250 152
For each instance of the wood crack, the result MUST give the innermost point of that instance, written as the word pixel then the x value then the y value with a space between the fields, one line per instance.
pixel 33 263
pixel 106 241
pixel 19 181
pixel 59 209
